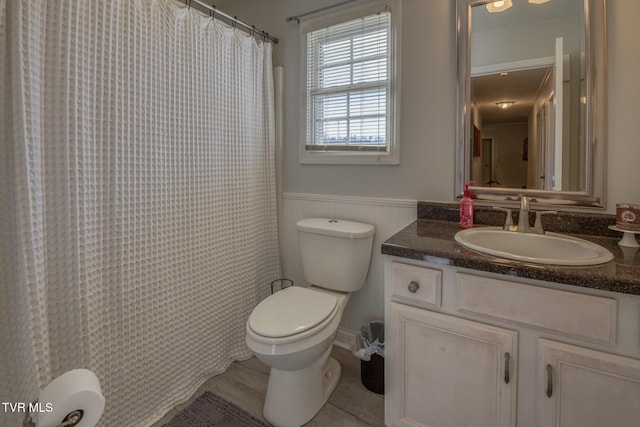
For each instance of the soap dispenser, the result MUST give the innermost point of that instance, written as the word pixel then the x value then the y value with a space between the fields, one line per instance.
pixel 466 208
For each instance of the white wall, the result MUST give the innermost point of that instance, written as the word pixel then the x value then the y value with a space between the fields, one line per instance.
pixel 428 103
pixel 510 170
pixel 428 106
pixel 623 95
pixel 428 119
pixel 388 215
pixel 506 44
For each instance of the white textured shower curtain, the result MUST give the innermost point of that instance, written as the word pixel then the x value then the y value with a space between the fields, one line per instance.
pixel 138 199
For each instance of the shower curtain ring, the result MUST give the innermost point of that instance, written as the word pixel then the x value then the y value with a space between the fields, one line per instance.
pixel 212 11
pixel 235 22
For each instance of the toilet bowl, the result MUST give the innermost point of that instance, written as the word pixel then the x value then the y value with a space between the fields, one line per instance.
pixel 302 376
pixel 293 330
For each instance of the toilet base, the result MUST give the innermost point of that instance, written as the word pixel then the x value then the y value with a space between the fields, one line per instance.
pixel 294 397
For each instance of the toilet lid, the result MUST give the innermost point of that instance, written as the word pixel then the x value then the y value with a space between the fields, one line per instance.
pixel 291 311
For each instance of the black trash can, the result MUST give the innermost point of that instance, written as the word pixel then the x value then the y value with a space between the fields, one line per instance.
pixel 368 346
pixel 372 373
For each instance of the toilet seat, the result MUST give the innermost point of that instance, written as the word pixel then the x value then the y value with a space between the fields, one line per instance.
pixel 292 314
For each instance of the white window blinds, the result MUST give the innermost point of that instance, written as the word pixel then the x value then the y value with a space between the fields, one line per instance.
pixel 348 85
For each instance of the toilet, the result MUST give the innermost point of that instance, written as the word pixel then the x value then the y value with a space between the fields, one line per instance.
pixel 293 330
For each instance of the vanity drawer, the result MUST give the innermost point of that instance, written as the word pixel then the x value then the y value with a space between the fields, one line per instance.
pixel 416 285
pixel 579 315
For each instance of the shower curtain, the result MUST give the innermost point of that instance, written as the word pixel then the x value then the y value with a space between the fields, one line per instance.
pixel 138 201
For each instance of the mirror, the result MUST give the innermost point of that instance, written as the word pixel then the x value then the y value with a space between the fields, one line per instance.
pixel 531 100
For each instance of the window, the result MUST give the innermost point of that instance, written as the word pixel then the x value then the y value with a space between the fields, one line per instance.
pixel 349 88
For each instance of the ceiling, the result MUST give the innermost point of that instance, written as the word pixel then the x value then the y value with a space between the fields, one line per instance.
pixel 522 87
pixel 524 12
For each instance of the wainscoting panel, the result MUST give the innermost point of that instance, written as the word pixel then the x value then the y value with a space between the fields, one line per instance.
pixel 388 215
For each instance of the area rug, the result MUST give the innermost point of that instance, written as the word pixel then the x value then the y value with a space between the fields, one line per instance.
pixel 210 410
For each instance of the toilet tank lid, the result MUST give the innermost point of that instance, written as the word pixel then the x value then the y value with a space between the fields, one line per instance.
pixel 336 227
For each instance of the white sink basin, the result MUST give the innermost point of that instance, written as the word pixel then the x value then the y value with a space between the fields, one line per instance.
pixel 548 248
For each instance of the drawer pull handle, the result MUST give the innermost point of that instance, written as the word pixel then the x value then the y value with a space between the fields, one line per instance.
pixel 413 287
pixel 549 381
pixel 507 361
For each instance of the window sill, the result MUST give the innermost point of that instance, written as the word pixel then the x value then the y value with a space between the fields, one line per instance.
pixel 341 158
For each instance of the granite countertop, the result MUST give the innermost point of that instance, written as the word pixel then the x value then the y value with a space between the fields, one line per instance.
pixel 433 241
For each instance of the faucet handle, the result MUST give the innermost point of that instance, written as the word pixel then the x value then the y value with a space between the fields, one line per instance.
pixel 538 224
pixel 508 223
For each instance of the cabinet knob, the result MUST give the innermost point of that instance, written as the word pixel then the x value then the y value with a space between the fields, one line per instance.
pixel 549 392
pixel 413 287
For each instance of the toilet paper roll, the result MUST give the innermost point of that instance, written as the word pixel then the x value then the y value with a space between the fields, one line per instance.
pixel 78 389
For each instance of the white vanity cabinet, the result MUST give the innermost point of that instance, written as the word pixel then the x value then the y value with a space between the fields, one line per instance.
pixel 586 388
pixel 468 348
pixel 449 371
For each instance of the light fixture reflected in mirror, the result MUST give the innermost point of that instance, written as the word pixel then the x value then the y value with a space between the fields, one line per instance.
pixel 499 6
pixel 502 5
pixel 503 105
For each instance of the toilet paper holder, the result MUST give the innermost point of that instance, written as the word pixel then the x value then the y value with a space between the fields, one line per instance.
pixel 73 418
pixel 71 399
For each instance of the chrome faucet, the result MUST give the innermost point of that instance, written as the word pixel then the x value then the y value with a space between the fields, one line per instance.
pixel 523 217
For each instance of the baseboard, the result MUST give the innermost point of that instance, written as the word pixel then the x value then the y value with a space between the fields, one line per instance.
pixel 344 338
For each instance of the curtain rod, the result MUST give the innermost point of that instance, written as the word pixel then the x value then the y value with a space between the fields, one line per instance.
pixel 234 21
pixel 297 17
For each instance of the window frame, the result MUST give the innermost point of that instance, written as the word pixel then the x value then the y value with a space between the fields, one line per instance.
pixel 340 156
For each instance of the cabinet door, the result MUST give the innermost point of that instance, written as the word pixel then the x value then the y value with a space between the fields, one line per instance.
pixel 447 371
pixel 578 387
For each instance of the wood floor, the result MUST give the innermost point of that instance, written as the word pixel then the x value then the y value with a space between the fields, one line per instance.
pixel 245 384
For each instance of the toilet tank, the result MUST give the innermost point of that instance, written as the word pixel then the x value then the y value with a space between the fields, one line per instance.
pixel 335 253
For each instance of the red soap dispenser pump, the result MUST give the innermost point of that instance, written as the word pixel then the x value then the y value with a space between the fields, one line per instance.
pixel 466 208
